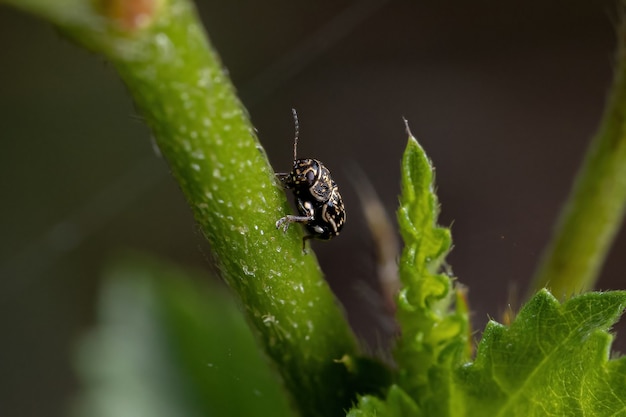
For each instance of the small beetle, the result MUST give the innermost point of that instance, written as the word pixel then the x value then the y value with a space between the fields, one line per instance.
pixel 317 196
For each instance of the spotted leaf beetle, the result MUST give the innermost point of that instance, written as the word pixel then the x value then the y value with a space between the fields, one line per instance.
pixel 318 201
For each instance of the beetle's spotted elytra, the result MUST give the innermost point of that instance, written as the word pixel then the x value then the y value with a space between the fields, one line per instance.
pixel 318 201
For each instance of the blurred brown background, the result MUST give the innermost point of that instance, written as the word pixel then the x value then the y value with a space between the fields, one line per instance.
pixel 504 98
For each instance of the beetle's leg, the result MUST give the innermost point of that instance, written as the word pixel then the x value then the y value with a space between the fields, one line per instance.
pixel 304 239
pixel 284 222
pixel 283 178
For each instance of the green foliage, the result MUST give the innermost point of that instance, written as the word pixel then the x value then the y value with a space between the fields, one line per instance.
pixel 167 344
pixel 552 361
pixel 434 337
pixel 396 404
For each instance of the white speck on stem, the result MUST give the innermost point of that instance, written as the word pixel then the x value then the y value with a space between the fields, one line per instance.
pixel 198 154
pixel 248 271
pixel 164 43
pixel 204 78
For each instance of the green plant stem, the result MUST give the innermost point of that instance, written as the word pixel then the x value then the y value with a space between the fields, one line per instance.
pixel 162 54
pixel 594 211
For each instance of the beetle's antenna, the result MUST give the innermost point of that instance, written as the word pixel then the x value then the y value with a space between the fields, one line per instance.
pixel 295 141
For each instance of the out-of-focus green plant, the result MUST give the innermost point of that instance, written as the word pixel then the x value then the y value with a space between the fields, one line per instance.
pixel 168 344
pixel 595 209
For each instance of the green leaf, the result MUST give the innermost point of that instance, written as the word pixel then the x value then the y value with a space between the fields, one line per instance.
pixel 397 404
pixel 552 361
pixel 169 346
pixel 434 336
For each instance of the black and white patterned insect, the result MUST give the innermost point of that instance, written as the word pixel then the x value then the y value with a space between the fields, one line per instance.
pixel 318 201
